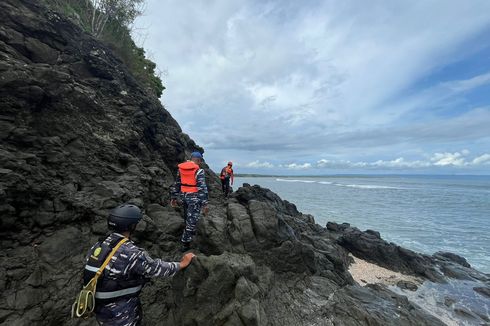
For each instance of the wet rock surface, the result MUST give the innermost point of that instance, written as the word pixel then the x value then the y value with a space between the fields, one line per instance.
pixel 407 285
pixel 485 291
pixel 452 290
pixel 368 245
pixel 79 135
pixel 276 266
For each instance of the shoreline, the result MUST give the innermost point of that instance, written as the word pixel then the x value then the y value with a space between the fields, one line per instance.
pixel 395 217
pixel 365 273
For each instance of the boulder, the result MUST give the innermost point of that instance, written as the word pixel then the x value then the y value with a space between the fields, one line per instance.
pixel 369 246
pixel 484 291
pixel 407 285
pixel 452 257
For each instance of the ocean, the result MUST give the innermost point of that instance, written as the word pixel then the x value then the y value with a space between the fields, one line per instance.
pixel 422 213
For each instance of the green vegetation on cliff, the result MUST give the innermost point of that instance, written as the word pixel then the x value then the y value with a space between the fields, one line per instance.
pixel 110 21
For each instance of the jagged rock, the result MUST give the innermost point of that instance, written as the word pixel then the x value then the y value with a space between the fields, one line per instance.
pixel 448 301
pixel 407 285
pixel 79 135
pixel 68 153
pixel 465 313
pixel 368 245
pixel 166 219
pixel 332 226
pixel 452 257
pixel 485 291
pixel 456 267
pixel 351 309
pixel 454 272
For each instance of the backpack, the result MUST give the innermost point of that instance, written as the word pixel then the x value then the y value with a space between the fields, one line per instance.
pixel 84 305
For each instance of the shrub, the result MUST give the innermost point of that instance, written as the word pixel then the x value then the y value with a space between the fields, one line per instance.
pixel 110 21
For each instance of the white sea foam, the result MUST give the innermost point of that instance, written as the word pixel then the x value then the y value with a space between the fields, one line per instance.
pixel 367 186
pixel 410 215
pixel 339 184
pixel 295 180
pixel 433 295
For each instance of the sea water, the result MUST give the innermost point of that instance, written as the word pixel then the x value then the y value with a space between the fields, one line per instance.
pixel 422 213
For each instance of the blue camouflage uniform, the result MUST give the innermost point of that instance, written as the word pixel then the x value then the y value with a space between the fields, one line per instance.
pixel 130 265
pixel 193 202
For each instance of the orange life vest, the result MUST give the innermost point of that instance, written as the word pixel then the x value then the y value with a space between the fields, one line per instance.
pixel 188 171
pixel 226 172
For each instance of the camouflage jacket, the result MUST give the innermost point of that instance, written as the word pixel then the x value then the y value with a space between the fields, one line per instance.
pixel 132 263
pixel 202 189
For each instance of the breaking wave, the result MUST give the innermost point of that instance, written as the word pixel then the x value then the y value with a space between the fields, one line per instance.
pixel 367 186
pixel 295 180
pixel 339 184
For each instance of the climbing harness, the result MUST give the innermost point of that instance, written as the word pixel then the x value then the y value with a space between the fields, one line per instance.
pixel 85 303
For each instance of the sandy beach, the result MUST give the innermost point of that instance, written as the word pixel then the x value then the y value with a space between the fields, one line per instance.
pixel 365 273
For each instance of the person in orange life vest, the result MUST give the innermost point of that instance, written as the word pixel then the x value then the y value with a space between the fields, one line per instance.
pixel 190 187
pixel 226 176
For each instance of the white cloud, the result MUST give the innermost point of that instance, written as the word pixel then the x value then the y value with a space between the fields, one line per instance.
pixel 323 163
pixel 456 159
pixel 295 78
pixel 480 160
pixel 444 159
pixel 396 163
pixel 400 163
pixel 296 166
pixel 258 164
pixel 468 84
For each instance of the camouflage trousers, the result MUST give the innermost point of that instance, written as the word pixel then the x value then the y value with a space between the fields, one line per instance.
pixel 124 312
pixel 192 212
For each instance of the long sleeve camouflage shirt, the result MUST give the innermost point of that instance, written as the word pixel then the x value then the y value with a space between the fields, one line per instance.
pixel 131 262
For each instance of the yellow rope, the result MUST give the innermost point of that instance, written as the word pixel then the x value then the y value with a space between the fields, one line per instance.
pixel 106 262
pixel 85 303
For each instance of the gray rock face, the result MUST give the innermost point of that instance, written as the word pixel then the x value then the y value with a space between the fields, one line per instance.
pixel 449 256
pixel 369 245
pixel 71 146
pixel 79 135
pixel 450 280
pixel 275 267
pixel 483 291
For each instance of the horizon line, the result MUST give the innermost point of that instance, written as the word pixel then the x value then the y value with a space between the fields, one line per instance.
pixel 355 174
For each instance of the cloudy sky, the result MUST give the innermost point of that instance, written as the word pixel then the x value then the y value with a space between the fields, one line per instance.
pixel 326 87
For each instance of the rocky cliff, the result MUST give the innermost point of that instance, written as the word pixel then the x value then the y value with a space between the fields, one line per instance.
pixel 80 135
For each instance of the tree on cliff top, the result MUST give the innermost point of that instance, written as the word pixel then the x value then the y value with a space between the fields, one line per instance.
pixel 122 11
pixel 111 21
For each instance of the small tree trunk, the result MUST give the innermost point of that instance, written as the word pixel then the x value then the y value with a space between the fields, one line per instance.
pixel 93 19
pixel 102 26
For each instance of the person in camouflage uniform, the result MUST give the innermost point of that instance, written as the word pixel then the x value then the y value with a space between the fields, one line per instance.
pixel 117 295
pixel 190 188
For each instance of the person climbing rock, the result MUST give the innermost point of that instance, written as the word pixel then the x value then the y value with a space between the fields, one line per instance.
pixel 226 176
pixel 190 187
pixel 128 270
